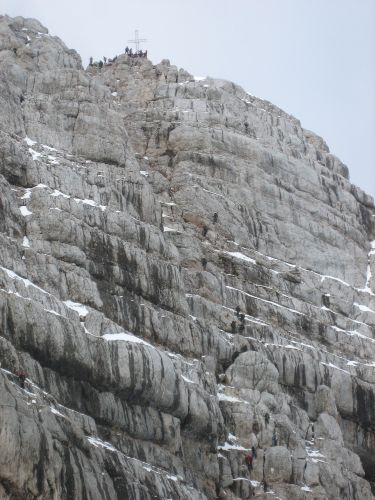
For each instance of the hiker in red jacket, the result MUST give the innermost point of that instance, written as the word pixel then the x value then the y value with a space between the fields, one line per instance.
pixel 249 461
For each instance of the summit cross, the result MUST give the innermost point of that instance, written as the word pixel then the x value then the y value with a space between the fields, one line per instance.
pixel 137 40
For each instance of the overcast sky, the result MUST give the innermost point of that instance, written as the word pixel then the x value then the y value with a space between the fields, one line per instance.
pixel 313 58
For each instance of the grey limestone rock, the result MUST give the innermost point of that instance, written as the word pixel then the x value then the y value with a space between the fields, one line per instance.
pixel 186 275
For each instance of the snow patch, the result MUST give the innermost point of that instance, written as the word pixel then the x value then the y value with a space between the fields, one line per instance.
pixel 25 211
pixel 127 337
pixel 29 141
pixel 363 308
pixel 26 242
pixel 77 307
pixel 35 155
pixel 57 193
pixel 27 195
pixel 98 443
pixel 241 256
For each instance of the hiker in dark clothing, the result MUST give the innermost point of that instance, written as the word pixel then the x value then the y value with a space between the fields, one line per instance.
pixel 204 262
pixel 21 378
pixel 145 53
pixel 91 61
pixel 233 326
pixel 215 217
pixel 241 328
pixel 127 50
pixel 238 309
pixel 131 52
pixel 100 64
pixel 267 418
pixel 205 230
pixel 249 461
pixel 254 452
pixel 242 317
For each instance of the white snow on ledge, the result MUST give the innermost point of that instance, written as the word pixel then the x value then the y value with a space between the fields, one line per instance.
pixel 127 337
pixel 29 141
pixel 26 282
pixel 92 203
pixel 25 211
pixel 26 242
pixel 363 308
pixel 199 78
pixel 98 443
pixel 77 307
pixel 57 193
pixel 241 256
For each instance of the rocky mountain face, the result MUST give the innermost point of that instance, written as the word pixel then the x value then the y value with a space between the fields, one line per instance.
pixel 185 273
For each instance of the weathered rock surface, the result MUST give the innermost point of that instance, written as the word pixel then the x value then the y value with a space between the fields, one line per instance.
pixel 119 288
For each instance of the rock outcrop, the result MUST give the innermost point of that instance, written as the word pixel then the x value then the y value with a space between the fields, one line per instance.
pixel 143 211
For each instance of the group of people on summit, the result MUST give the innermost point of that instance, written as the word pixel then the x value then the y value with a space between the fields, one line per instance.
pixel 138 53
pixel 107 61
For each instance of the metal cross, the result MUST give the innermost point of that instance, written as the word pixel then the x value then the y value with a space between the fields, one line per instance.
pixel 137 40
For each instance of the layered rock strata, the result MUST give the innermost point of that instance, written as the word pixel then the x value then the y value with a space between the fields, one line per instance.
pixel 140 206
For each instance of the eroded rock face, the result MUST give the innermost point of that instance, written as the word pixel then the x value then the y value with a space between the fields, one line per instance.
pixel 121 291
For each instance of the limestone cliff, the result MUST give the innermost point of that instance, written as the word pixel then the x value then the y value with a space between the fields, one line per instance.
pixel 141 206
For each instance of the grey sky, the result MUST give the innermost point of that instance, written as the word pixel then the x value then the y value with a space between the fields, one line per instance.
pixel 313 58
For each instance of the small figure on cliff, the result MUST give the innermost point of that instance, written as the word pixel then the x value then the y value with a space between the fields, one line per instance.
pixel 21 378
pixel 100 64
pixel 204 262
pixel 233 326
pixel 274 438
pixel 127 50
pixel 238 309
pixel 254 452
pixel 205 230
pixel 215 217
pixel 249 461
pixel 267 418
pixel 130 52
pixel 241 328
pixel 91 61
pixel 242 318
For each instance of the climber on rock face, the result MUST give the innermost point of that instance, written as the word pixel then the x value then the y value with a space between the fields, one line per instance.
pixel 274 438
pixel 233 326
pixel 204 262
pixel 267 418
pixel 249 461
pixel 215 217
pixel 21 378
pixel 242 317
pixel 238 309
pixel 205 230
pixel 127 50
pixel 254 452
